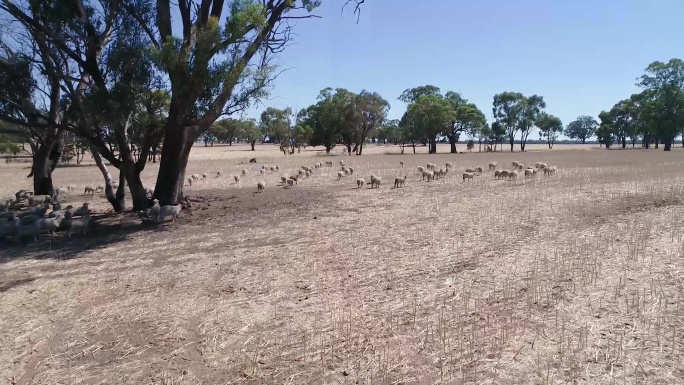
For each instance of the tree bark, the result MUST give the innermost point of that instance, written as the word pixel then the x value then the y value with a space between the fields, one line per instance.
pixel 452 143
pixel 433 146
pixel 174 158
pixel 253 143
pixel 624 142
pixel 117 201
pixel 668 145
pixel 360 149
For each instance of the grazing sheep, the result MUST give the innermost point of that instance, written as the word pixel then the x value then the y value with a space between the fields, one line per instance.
pixel 541 165
pixel 492 166
pixel 346 171
pixel 244 172
pixel 449 165
pixel 76 225
pixel 340 174
pixel 307 174
pixel 351 170
pixel 505 174
pixel 71 188
pixel 471 170
pixel 39 199
pixel 195 176
pixel 341 163
pixel 99 189
pixel 261 171
pixel 329 164
pixel 515 164
pixel 521 166
pixel 277 168
pixel 204 176
pixel 360 182
pixel 400 182
pixel 530 172
pixel 420 169
pixel 51 224
pixel 513 175
pixel 261 186
pixel 479 170
pixel 190 180
pixel 468 175
pixel 62 191
pixel 375 180
pixel 170 211
pixel 295 178
pixel 89 190
pixel 290 183
pixel 430 175
pixel 306 168
pixel 220 173
pixel 284 178
pixel 401 163
pixel 155 210
pixel 21 230
pixel 497 174
pixel 80 212
pixel 549 170
pixel 236 178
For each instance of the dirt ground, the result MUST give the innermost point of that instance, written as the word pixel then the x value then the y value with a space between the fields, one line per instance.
pixel 572 278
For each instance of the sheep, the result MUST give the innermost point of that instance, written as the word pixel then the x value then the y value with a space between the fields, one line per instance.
pixel 61 191
pixel 170 211
pixel 76 225
pixel 401 163
pixel 220 174
pixel 439 174
pixel 492 166
pixel 272 168
pixel 329 164
pixel 155 210
pixel 513 175
pixel 550 170
pixel 99 189
pixel 204 176
pixel 236 178
pixel 290 183
pixel 262 171
pixel 277 168
pixel 530 172
pixel 341 163
pixel 71 188
pixel 7 226
pixel 375 180
pixel 497 174
pixel 300 172
pixel 295 178
pixel 541 165
pixel 400 182
pixel 195 176
pixel 471 170
pixel 56 212
pixel 81 211
pixel 284 178
pixel 340 174
pixel 21 230
pixel 515 164
pixel 22 194
pixel 430 175
pixel 521 166
pixel 244 172
pixel 56 206
pixel 37 212
pixel 468 175
pixel 346 171
pixel 89 190
pixel 360 182
pixel 449 165
pixel 190 180
pixel 261 186
pixel 505 174
pixel 420 169
pixel 51 224
pixel 351 171
pixel 306 168
pixel 307 174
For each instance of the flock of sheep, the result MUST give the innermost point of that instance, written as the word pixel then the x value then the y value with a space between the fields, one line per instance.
pixel 27 215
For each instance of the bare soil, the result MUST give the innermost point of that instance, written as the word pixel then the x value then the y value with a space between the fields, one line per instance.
pixel 572 278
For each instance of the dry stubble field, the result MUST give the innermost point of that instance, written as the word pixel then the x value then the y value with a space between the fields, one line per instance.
pixel 574 278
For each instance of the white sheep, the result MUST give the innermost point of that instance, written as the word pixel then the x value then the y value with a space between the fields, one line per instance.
pixel 430 175
pixel 492 166
pixel 261 186
pixel 549 170
pixel 155 210
pixel 190 180
pixel 290 183
pixel 295 178
pixel 375 180
pixel 497 174
pixel 71 188
pixel 346 171
pixel 76 225
pixel 219 174
pixel 272 168
pixel 513 175
pixel 340 174
pixel 401 163
pixel 521 166
pixel 51 224
pixel 236 178
pixel 360 182
pixel 195 176
pixel 284 178
pixel 204 176
pixel 530 172
pixel 39 200
pixel 170 211
pixel 468 175
pixel 329 164
pixel 89 190
pixel 515 164
pixel 99 189
pixel 307 174
pixel 449 165
pixel 262 171
pixel 400 182
pixel 300 172
pixel 420 169
pixel 32 229
pixel 351 170
pixel 244 172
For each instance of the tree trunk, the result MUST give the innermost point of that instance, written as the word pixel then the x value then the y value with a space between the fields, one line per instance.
pixel 414 146
pixel 479 141
pixel 656 144
pixel 360 149
pixel 433 146
pixel 668 144
pixel 117 202
pixel 253 143
pixel 624 142
pixel 584 140
pixel 136 188
pixel 512 141
pixel 174 158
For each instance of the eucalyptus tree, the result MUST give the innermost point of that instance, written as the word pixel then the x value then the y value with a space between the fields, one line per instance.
pixel 582 128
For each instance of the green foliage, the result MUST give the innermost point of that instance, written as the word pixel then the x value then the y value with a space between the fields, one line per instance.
pixel 275 123
pixel 582 128
pixel 507 111
pixel 411 95
pixel 606 130
pixel 549 127
pixel 7 146
pixel 430 114
pixel 328 117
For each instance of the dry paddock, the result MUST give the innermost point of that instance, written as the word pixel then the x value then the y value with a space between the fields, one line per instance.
pixel 573 278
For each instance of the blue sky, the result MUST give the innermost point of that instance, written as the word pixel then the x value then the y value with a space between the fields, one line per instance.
pixel 582 56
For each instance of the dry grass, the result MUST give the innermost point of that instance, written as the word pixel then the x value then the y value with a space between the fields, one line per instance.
pixel 573 278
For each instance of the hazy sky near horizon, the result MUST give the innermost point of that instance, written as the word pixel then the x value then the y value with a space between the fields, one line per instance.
pixel 582 56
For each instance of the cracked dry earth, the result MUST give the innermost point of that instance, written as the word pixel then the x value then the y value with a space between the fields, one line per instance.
pixel 572 278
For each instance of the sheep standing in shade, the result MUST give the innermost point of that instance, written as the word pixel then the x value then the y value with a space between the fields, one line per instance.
pixel 39 200
pixel 170 211
pixel 51 224
pixel 155 211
